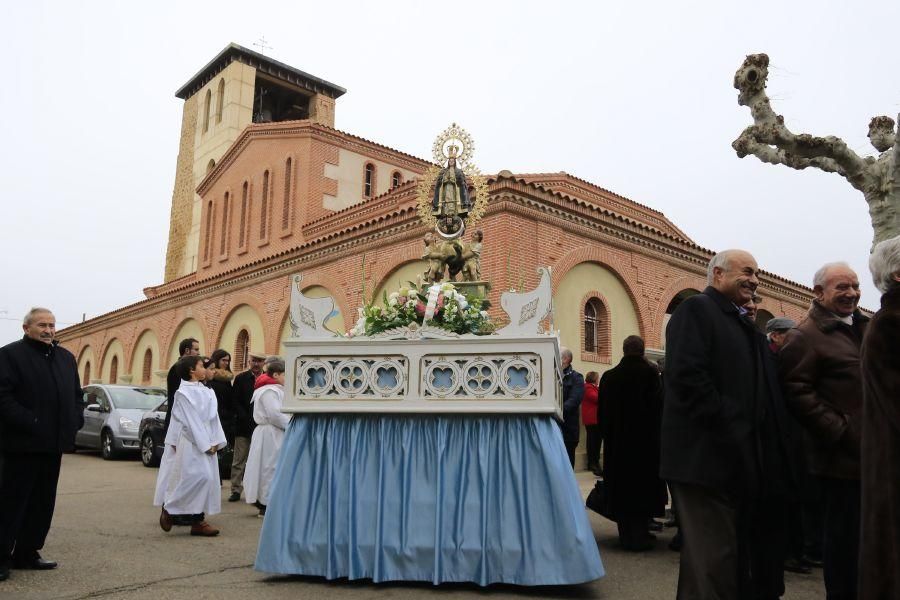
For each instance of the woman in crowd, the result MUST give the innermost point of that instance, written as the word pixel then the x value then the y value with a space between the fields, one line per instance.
pixel 265 444
pixel 221 385
pixel 589 418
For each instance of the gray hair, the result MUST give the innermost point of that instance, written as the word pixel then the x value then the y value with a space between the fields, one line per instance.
pixel 35 311
pixel 885 263
pixel 563 352
pixel 821 275
pixel 720 260
pixel 275 366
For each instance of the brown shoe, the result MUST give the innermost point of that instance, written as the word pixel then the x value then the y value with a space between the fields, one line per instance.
pixel 165 520
pixel 203 528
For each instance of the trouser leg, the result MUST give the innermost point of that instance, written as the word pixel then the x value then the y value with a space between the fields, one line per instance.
pixel 769 535
pixel 27 501
pixel 841 541
pixel 592 446
pixel 239 463
pixel 714 559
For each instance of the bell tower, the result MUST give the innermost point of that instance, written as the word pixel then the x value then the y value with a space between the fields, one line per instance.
pixel 235 89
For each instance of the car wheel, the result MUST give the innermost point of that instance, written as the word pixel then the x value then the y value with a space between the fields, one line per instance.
pixel 108 445
pixel 148 452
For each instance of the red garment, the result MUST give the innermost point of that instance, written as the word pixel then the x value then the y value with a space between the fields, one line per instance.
pixel 263 379
pixel 589 404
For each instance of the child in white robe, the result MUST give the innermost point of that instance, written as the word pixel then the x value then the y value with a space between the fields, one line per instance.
pixel 187 486
pixel 265 445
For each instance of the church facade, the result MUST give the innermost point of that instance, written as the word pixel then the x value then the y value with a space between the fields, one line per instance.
pixel 265 187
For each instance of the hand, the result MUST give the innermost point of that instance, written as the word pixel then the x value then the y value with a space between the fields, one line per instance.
pixel 212 450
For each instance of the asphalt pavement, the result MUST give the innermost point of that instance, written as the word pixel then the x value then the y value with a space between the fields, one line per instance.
pixel 107 540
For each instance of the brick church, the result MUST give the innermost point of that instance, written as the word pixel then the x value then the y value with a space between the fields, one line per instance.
pixel 265 187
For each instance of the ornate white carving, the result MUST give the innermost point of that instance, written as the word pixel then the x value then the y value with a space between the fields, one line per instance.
pixel 349 377
pixel 528 309
pixel 308 315
pixel 414 331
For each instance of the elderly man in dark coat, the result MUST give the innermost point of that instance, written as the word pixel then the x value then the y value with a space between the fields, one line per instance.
pixel 722 434
pixel 40 411
pixel 629 413
pixel 820 371
pixel 573 392
pixel 879 551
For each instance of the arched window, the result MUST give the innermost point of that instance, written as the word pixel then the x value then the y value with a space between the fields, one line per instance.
pixel 264 208
pixel 245 199
pixel 396 179
pixel 87 373
pixel 286 207
pixel 596 328
pixel 241 350
pixel 148 367
pixel 210 220
pixel 220 100
pixel 369 180
pixel 224 241
pixel 206 104
pixel 114 369
pixel 210 166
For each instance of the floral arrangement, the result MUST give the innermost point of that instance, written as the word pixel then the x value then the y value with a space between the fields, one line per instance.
pixel 439 305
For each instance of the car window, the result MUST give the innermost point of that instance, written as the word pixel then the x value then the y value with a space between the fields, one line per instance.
pixel 164 407
pixel 90 397
pixel 103 400
pixel 142 398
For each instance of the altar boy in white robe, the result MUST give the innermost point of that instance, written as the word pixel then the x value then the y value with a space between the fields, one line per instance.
pixel 187 486
pixel 265 445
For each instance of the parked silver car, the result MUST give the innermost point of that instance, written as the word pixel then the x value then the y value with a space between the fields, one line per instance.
pixel 112 417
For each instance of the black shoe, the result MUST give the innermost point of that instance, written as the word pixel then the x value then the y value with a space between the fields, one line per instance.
pixel 4 571
pixel 795 565
pixel 809 561
pixel 675 544
pixel 34 563
pixel 654 525
pixel 234 497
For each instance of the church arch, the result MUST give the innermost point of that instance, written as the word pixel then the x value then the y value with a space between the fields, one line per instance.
pixel 675 294
pixel 188 328
pixel 113 362
pixel 147 345
pixel 206 106
pixel 581 283
pixel 369 180
pixel 220 100
pixel 242 329
pixel 87 364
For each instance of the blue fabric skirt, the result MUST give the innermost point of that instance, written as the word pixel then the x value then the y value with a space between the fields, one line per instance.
pixel 487 499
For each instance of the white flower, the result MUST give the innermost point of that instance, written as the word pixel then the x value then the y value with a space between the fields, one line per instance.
pixel 447 287
pixel 392 300
pixel 484 314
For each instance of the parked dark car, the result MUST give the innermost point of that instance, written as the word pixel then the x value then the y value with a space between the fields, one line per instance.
pixel 152 437
pixel 112 414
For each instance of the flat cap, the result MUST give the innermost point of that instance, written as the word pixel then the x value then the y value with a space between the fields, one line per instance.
pixel 780 324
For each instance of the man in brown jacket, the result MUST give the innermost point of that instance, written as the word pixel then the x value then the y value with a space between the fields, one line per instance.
pixel 820 370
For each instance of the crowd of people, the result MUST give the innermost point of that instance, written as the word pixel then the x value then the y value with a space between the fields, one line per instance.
pixel 781 450
pixel 211 410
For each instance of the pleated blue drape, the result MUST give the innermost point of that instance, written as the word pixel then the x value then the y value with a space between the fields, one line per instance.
pixel 485 499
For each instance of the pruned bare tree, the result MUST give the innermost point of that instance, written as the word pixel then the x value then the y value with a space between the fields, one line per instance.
pixel 771 141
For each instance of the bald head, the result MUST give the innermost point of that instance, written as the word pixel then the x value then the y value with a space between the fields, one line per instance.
pixel 734 273
pixel 836 287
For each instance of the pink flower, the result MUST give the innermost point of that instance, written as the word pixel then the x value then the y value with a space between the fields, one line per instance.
pixel 420 308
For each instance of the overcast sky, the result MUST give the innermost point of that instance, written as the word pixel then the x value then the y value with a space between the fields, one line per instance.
pixel 634 97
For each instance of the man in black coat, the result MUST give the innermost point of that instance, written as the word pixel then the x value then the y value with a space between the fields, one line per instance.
pixel 573 391
pixel 40 412
pixel 722 433
pixel 629 414
pixel 186 347
pixel 242 392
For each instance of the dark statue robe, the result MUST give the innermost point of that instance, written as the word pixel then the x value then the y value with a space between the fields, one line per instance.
pixel 451 172
pixel 629 414
pixel 879 551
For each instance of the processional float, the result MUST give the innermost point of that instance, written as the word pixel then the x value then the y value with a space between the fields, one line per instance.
pixel 423 444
